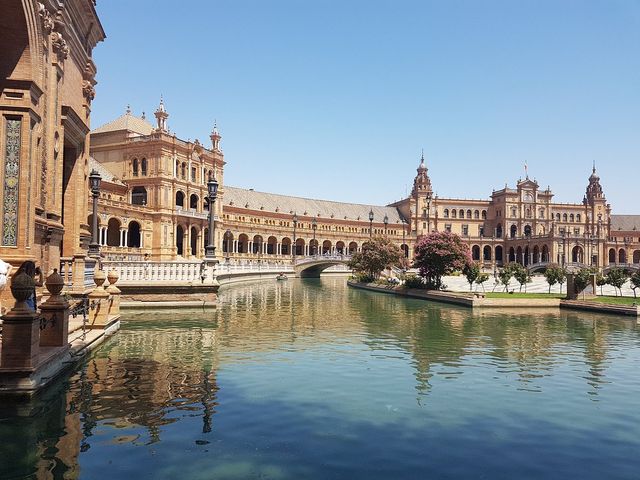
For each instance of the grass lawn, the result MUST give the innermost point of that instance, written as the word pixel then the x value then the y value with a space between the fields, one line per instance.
pixel 523 295
pixel 616 300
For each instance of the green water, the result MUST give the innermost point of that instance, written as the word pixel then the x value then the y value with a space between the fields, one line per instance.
pixel 308 379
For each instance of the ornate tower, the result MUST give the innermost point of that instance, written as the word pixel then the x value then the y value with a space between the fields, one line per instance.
pixel 215 138
pixel 422 207
pixel 597 210
pixel 161 116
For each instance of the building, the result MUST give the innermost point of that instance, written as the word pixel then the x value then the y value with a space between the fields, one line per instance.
pixel 46 88
pixel 154 202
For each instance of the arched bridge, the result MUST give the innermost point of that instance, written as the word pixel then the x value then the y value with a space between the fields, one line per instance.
pixel 570 266
pixel 629 267
pixel 314 265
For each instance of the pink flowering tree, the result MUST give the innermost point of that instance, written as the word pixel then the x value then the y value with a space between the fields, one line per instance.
pixel 376 255
pixel 438 254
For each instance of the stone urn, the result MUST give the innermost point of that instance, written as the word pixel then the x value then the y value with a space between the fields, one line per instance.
pixel 22 286
pixel 54 283
pixel 113 277
pixel 99 277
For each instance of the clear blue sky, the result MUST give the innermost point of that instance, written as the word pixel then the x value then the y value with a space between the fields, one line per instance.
pixel 335 99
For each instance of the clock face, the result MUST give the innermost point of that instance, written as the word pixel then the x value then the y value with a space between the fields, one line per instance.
pixel 527 196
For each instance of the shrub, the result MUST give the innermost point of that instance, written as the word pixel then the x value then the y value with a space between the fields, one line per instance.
pixel 438 254
pixel 376 255
pixel 414 281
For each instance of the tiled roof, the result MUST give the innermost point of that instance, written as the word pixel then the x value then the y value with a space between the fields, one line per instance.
pixel 626 223
pixel 126 122
pixel 271 202
pixel 106 175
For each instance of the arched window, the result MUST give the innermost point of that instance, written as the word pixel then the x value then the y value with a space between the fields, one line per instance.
pixel 469 214
pixel 578 218
pixel 499 231
pixel 486 253
pixel 179 199
pixel 135 167
pixel 454 213
pixel 557 217
pixel 475 252
pixel 193 202
pixel 476 214
pixel 134 239
pixel 484 214
pixel 514 231
pixel 138 196
pixel 571 218
pixel 143 167
pixel 461 213
pixel 446 213
pixel 541 213
pixel 564 217
pixel 514 212
pixel 527 230
pixel 183 171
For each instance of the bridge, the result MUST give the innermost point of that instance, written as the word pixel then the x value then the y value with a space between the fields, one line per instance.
pixel 570 266
pixel 629 267
pixel 313 265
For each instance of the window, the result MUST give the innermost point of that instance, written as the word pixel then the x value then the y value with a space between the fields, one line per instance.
pixel 465 230
pixel 564 217
pixel 476 214
pixel 481 231
pixel 193 174
pixel 143 167
pixel 135 167
pixel 484 214
pixel 447 227
pixel 454 214
pixel 183 171
pixel 578 217
pixel 514 212
pixel 576 231
pixel 571 218
pixel 446 213
pixel 461 213
pixel 138 196
pixel 541 213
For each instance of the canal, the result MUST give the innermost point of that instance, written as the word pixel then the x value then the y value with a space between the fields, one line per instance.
pixel 308 379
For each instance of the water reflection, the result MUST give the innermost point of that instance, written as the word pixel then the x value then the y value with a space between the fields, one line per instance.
pixel 313 359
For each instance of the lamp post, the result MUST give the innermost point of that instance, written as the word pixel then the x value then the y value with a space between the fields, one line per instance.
pixel 212 190
pixel 295 225
pixel 385 220
pixel 370 223
pixel 94 181
pixel 428 199
pixel 562 249
pixel 314 225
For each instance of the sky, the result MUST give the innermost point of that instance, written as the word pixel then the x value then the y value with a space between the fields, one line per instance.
pixel 335 99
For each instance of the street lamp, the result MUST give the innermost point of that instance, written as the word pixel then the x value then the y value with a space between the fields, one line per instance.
pixel 94 182
pixel 406 252
pixel 385 220
pixel 370 223
pixel 295 246
pixel 212 190
pixel 428 198
pixel 314 225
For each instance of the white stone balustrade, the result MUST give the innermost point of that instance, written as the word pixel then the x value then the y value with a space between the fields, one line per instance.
pixel 147 271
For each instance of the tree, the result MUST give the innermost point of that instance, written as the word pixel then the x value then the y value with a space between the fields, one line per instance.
pixel 551 274
pixel 505 275
pixel 376 255
pixel 483 277
pixel 616 279
pixel 439 254
pixel 582 279
pixel 562 276
pixel 635 282
pixel 601 281
pixel 521 274
pixel 472 271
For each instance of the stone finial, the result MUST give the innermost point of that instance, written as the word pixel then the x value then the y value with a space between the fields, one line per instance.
pixel 99 277
pixel 54 283
pixel 22 286
pixel 112 277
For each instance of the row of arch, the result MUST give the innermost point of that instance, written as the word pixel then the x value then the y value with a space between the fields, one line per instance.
pixel 621 256
pixel 194 200
pixel 461 214
pixel 114 234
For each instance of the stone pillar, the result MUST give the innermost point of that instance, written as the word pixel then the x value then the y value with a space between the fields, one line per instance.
pixel 114 303
pixel 98 316
pixel 571 287
pixel 55 311
pixel 21 328
pixel 77 273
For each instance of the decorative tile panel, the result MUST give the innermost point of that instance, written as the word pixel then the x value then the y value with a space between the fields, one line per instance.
pixel 11 182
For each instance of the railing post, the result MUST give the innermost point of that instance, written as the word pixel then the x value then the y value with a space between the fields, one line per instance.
pixel 56 313
pixel 98 298
pixel 21 328
pixel 114 304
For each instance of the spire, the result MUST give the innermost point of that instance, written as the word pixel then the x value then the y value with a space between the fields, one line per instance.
pixel 215 136
pixel 128 111
pixel 161 116
pixel 594 167
pixel 422 167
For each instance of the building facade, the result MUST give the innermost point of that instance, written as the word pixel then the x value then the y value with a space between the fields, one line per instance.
pixel 154 201
pixel 46 88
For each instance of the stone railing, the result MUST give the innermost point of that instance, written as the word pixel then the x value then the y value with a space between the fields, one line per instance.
pixel 253 267
pixel 146 271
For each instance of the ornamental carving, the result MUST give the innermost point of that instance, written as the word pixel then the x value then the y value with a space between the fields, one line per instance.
pixel 88 82
pixel 47 20
pixel 54 25
pixel 11 182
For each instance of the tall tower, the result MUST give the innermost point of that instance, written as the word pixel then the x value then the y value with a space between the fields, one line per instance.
pixel 215 138
pixel 598 216
pixel 422 205
pixel 161 116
